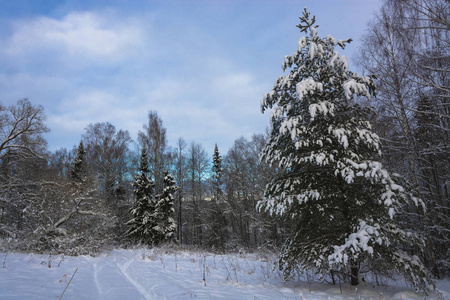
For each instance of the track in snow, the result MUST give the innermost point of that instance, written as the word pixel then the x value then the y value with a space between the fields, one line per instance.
pixel 124 270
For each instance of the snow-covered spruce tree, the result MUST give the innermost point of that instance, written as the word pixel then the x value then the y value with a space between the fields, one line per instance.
pixel 166 226
pixel 143 222
pixel 332 186
pixel 78 170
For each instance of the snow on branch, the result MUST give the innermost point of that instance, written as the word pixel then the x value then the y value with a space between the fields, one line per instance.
pixel 352 87
pixel 358 242
pixel 308 86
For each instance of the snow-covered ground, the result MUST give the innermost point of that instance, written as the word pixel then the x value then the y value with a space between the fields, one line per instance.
pixel 168 274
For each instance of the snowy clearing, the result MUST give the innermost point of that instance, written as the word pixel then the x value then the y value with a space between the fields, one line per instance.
pixel 167 274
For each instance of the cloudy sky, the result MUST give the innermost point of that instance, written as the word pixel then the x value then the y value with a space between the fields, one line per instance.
pixel 202 65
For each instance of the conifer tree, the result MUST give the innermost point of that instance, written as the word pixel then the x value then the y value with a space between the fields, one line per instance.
pixel 166 226
pixel 79 168
pixel 218 221
pixel 217 171
pixel 143 223
pixel 331 185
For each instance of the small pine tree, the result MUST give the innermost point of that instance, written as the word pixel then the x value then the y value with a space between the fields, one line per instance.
pixel 331 185
pixel 217 171
pixel 218 221
pixel 78 172
pixel 166 226
pixel 143 222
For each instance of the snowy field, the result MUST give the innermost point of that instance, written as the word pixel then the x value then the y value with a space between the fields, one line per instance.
pixel 165 274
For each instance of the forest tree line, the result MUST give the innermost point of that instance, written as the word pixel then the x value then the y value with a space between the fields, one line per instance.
pixel 43 208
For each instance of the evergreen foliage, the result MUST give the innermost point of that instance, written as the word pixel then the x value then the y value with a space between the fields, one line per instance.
pixel 143 222
pixel 78 170
pixel 331 185
pixel 166 226
pixel 217 171
pixel 217 216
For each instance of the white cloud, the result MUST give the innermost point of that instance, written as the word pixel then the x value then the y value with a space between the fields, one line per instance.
pixel 79 35
pixel 241 90
pixel 76 113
